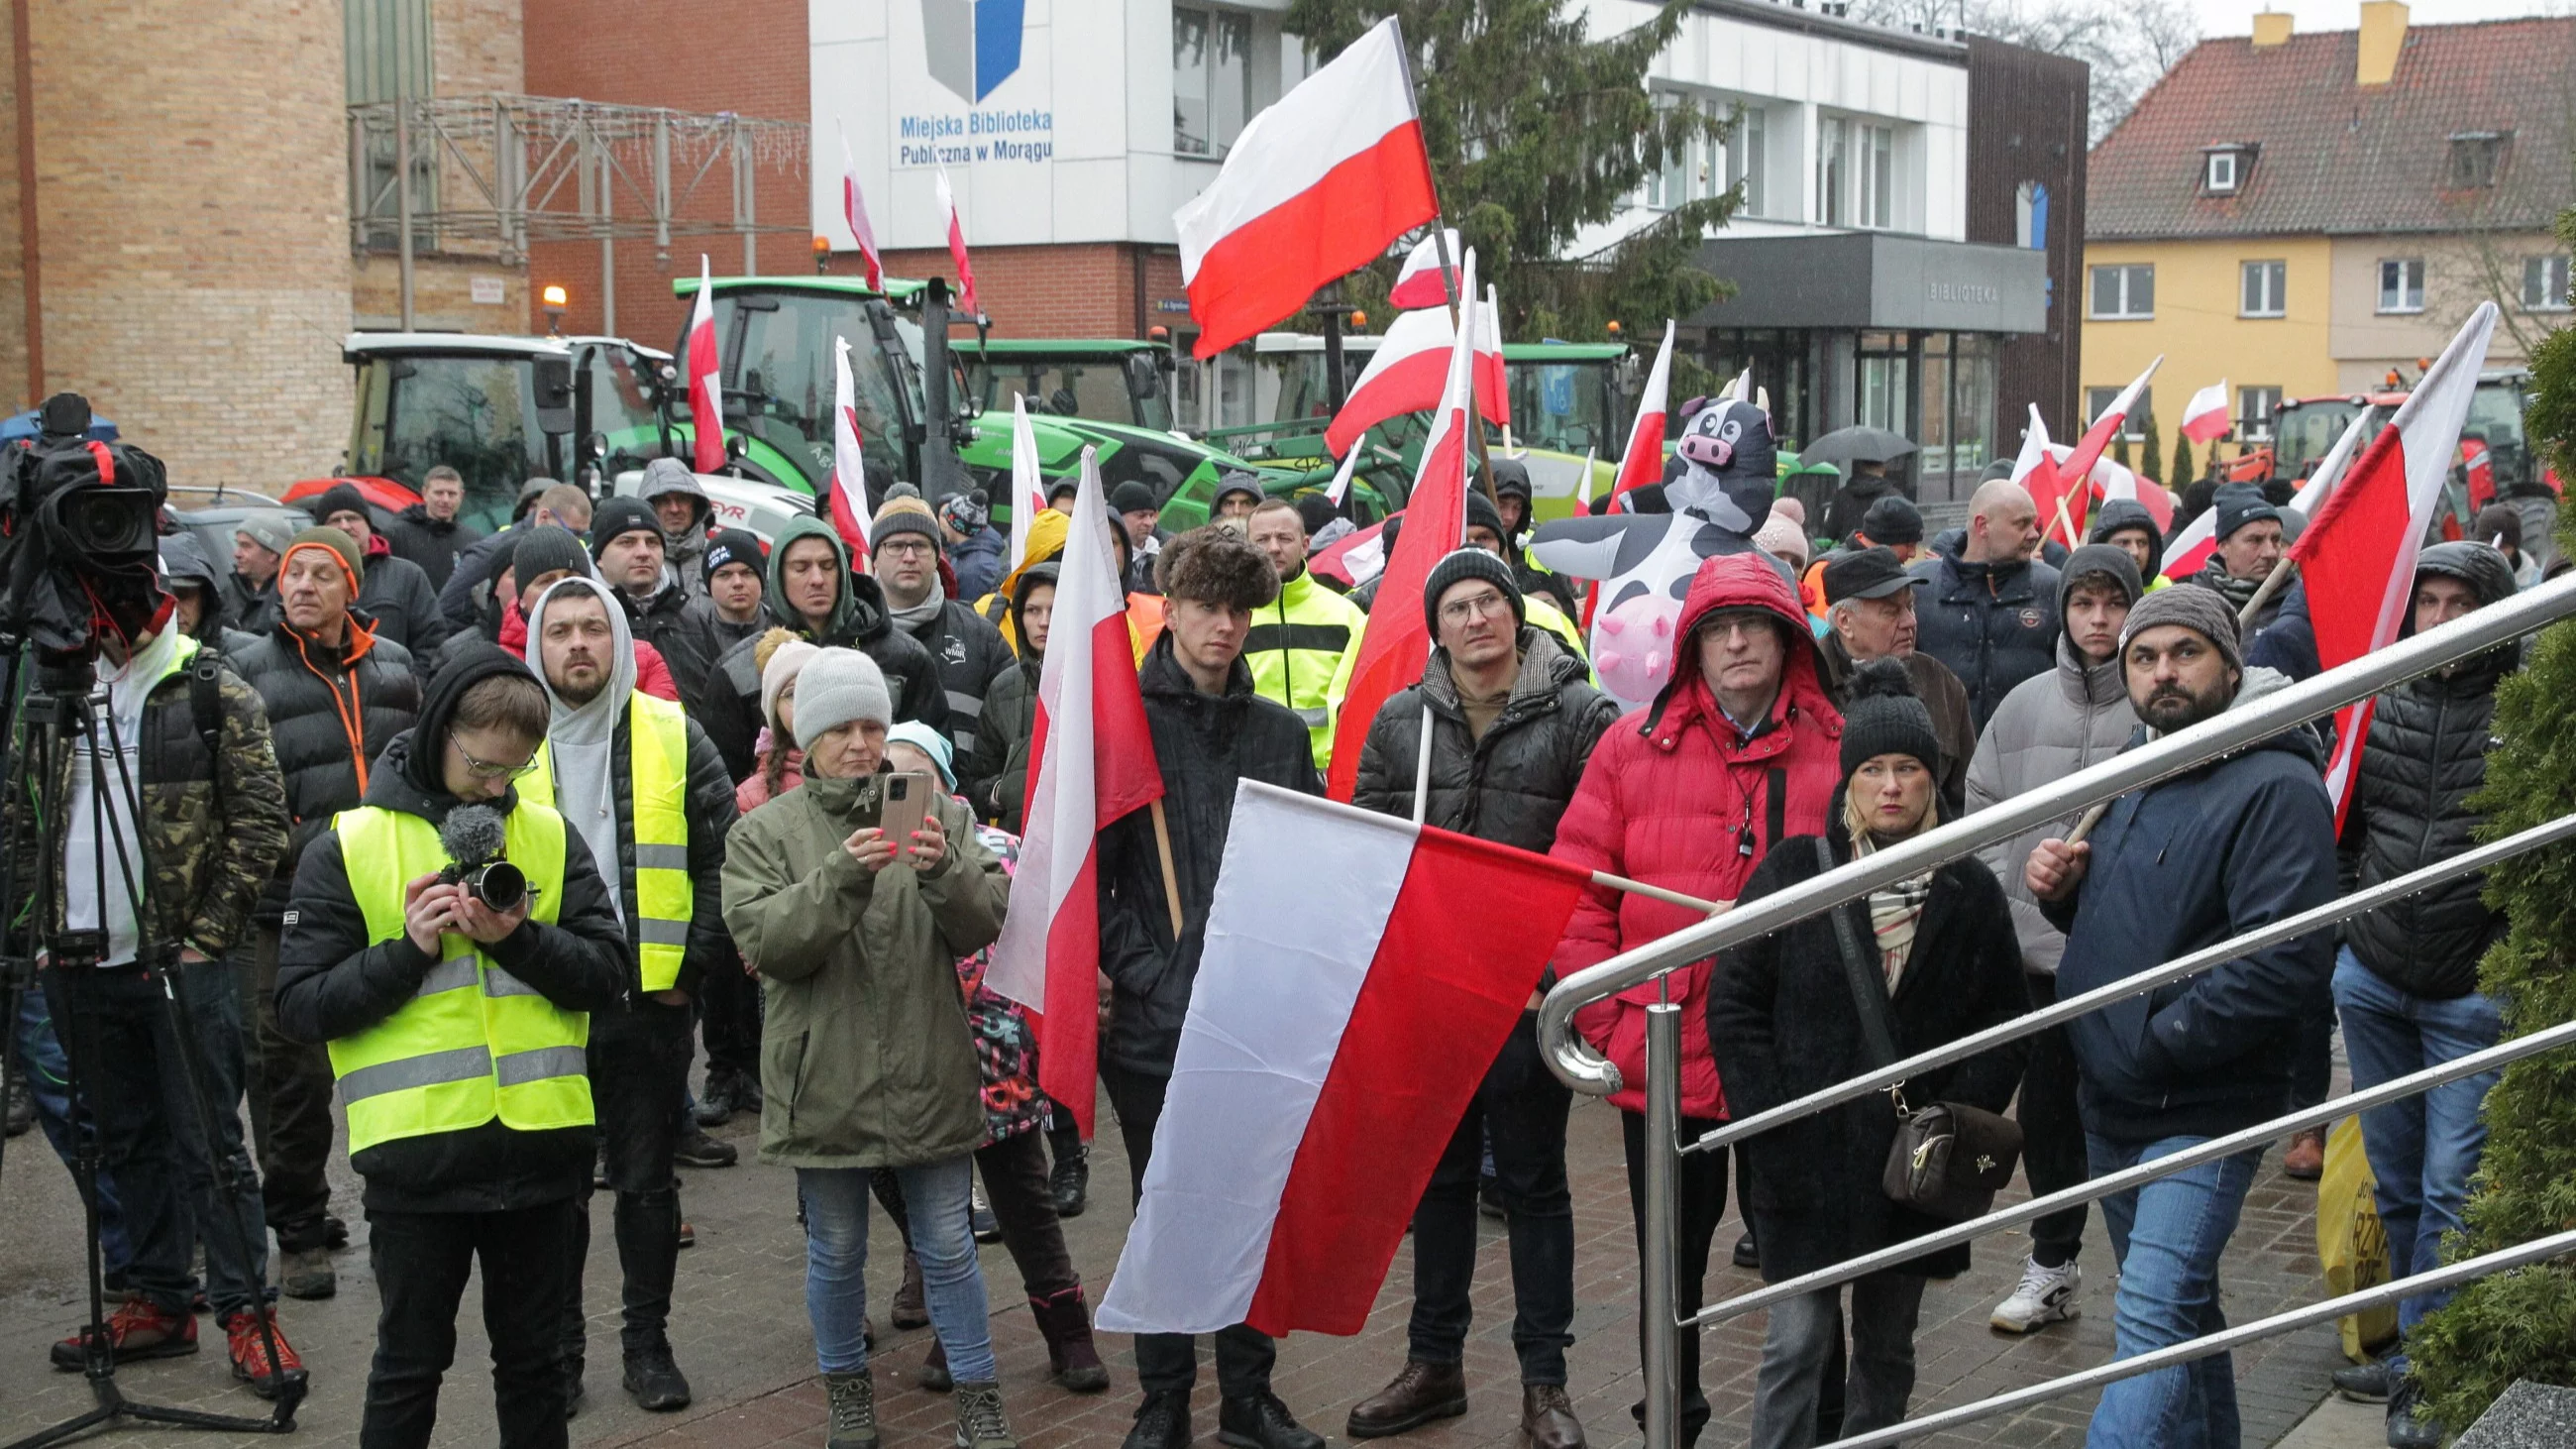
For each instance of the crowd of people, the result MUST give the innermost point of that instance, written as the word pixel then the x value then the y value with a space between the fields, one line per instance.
pixel 707 754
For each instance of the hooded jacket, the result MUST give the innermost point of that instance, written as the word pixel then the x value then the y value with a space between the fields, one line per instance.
pixel 334 980
pixel 2118 513
pixel 1513 784
pixel 994 776
pixel 1203 744
pixel 2238 843
pixel 330 713
pixel 681 628
pixel 431 544
pixel 183 560
pixel 859 620
pixel 1675 796
pixel 1994 624
pixel 2427 756
pixel 977 561
pixel 682 552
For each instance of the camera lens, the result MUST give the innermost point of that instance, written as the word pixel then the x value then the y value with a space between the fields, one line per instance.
pixel 104 522
pixel 500 885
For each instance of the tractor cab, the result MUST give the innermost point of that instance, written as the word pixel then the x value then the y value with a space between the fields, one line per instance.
pixel 1109 380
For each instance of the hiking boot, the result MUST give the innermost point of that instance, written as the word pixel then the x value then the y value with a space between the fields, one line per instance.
pixel 979 1216
pixel 1070 1181
pixel 1260 1421
pixel 715 1104
pixel 249 1347
pixel 2374 1382
pixel 910 1310
pixel 335 1233
pixel 575 1391
pixel 2305 1157
pixel 853 1399
pixel 2409 1426
pixel 688 1235
pixel 934 1375
pixel 1065 1322
pixel 653 1381
pixel 22 1106
pixel 697 1149
pixel 1747 1254
pixel 307 1273
pixel 2046 1296
pixel 1162 1422
pixel 1547 1417
pixel 980 1422
pixel 137 1330
pixel 1420 1392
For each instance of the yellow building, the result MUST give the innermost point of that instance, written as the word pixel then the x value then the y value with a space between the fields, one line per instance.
pixel 2301 214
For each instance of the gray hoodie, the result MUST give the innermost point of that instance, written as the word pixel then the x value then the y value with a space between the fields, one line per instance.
pixel 681 551
pixel 582 739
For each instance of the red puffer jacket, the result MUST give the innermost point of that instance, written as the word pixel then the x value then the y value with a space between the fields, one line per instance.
pixel 1674 797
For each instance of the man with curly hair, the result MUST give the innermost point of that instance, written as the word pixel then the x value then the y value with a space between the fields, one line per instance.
pixel 1210 730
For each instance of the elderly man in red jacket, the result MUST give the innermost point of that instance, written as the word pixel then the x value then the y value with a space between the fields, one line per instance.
pixel 1740 749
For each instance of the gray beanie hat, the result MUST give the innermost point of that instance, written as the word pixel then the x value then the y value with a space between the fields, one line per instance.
pixel 2204 611
pixel 836 687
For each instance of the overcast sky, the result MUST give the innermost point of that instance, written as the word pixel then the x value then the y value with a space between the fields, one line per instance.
pixel 2236 17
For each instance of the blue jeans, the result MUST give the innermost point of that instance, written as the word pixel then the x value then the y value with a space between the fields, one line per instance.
pixel 836 1264
pixel 49 1086
pixel 2166 1238
pixel 2422 1149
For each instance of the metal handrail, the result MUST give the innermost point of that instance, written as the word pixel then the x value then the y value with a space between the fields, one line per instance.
pixel 1582 1068
pixel 2040 1019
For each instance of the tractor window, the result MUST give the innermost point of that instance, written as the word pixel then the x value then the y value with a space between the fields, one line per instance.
pixel 1561 406
pixel 782 368
pixel 621 407
pixel 1093 387
pixel 2495 414
pixel 474 414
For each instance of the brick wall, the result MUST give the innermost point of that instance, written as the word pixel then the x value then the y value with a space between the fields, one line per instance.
pixel 1075 290
pixel 13 273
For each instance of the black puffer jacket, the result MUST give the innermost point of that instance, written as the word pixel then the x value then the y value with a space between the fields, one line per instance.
pixel 995 775
pixel 1994 624
pixel 314 692
pixel 971 656
pixel 1510 786
pixel 2427 755
pixel 1204 744
pixel 683 629
pixel 431 543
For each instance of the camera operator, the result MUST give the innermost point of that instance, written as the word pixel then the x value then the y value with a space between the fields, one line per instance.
pixel 336 693
pixel 456 1031
pixel 195 745
pixel 649 795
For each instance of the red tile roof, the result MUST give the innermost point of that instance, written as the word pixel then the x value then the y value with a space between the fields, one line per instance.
pixel 2334 156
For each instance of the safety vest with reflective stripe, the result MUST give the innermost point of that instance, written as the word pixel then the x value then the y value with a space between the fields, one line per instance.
pixel 474 1042
pixel 1296 646
pixel 657 788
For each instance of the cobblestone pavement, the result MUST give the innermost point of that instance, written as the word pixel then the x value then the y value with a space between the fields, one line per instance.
pixel 741 1336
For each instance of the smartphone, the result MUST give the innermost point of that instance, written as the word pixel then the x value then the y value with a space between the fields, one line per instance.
pixel 907 799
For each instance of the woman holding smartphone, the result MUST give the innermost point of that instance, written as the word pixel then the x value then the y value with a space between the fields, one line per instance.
pixel 866 1060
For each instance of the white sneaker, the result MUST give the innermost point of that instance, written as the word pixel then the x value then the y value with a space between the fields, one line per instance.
pixel 2046 1295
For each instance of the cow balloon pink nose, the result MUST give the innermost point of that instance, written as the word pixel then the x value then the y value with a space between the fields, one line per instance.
pixel 1706 451
pixel 1633 646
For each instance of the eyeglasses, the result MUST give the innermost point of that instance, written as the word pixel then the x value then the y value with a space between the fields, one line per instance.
pixel 904 545
pixel 486 769
pixel 1459 611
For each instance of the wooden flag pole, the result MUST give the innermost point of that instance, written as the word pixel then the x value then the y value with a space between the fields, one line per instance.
pixel 1171 878
pixel 2272 583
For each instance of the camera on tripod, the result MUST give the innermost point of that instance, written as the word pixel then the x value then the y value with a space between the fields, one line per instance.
pixel 79 534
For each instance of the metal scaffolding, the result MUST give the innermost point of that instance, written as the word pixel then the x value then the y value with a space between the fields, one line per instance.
pixel 426 172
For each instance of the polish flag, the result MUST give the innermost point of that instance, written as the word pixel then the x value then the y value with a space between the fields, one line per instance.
pixel 2110 480
pixel 2205 417
pixel 1643 463
pixel 2079 464
pixel 2358 558
pixel 2190 550
pixel 1341 487
pixel 706 398
pixel 1318 184
pixel 1493 383
pixel 2035 469
pixel 957 246
pixel 1093 763
pixel 1394 648
pixel 849 481
pixel 1321 1072
pixel 854 207
pixel 1028 490
pixel 1405 375
pixel 1419 283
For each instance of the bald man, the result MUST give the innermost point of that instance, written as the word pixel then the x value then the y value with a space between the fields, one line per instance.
pixel 1990 609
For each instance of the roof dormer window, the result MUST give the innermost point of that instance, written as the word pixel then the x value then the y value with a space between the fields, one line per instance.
pixel 2223 169
pixel 2475 157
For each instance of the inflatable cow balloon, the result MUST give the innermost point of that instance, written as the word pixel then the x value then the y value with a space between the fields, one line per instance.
pixel 1643 562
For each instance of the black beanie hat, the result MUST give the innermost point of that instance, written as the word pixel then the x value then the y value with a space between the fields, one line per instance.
pixel 2239 504
pixel 341 498
pixel 732 546
pixel 1893 520
pixel 1882 716
pixel 1482 512
pixel 544 550
pixel 1459 567
pixel 615 516
pixel 1131 496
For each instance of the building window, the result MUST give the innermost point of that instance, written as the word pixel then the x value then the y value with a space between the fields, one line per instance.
pixel 2124 292
pixel 1833 134
pixel 2544 284
pixel 1211 80
pixel 1744 152
pixel 2254 407
pixel 1877 177
pixel 2134 426
pixel 2401 285
pixel 2262 291
pixel 2223 171
pixel 2475 157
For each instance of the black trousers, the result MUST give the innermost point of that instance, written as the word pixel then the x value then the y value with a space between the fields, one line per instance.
pixel 729 1012
pixel 421 1261
pixel 639 1078
pixel 1523 1106
pixel 290 1113
pixel 2052 1132
pixel 1169 1362
pixel 1699 1202
pixel 1014 1170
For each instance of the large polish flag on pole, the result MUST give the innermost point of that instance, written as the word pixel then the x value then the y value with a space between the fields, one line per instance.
pixel 854 208
pixel 2358 558
pixel 2190 550
pixel 957 246
pixel 1095 763
pixel 706 397
pixel 1318 184
pixel 1028 489
pixel 849 480
pixel 1323 1067
pixel 2079 464
pixel 1398 642
pixel 1643 463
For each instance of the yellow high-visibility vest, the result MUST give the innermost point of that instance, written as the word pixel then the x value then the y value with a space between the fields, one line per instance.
pixel 657 788
pixel 474 1042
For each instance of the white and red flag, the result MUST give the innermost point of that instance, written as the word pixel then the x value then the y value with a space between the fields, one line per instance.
pixel 1404 375
pixel 1493 381
pixel 2205 417
pixel 1093 762
pixel 1028 489
pixel 2035 469
pixel 1398 641
pixel 849 480
pixel 2357 558
pixel 1322 1069
pixel 1643 463
pixel 2079 464
pixel 854 208
pixel 1419 282
pixel 957 247
pixel 706 395
pixel 1318 184
pixel 2190 550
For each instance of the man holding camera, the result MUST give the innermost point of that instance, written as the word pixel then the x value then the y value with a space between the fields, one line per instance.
pixel 457 1030
pixel 638 781
pixel 209 812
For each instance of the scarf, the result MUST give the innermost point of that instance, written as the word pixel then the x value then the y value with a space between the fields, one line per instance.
pixel 1895 911
pixel 2238 592
pixel 925 612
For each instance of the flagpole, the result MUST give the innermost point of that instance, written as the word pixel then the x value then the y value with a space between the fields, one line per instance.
pixel 1171 878
pixel 2271 585
pixel 1448 263
pixel 1422 763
